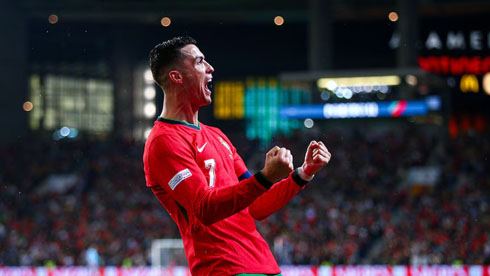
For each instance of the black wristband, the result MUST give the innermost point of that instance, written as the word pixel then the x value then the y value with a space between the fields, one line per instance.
pixel 300 181
pixel 263 181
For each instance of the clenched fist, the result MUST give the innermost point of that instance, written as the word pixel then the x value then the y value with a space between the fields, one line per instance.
pixel 316 157
pixel 278 164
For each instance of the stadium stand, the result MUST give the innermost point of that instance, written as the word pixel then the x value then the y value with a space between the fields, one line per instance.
pixel 60 198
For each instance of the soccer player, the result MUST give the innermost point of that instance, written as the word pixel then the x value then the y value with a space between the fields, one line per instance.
pixel 198 176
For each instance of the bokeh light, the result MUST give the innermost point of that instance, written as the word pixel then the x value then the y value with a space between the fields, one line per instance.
pixel 147 132
pixel 148 76
pixel 411 80
pixel 65 131
pixel 53 19
pixel 149 93
pixel 149 110
pixel 278 20
pixel 165 21
pixel 309 123
pixel 393 16
pixel 325 95
pixel 27 106
pixel 486 83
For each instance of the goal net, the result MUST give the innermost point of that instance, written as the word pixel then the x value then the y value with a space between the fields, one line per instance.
pixel 167 253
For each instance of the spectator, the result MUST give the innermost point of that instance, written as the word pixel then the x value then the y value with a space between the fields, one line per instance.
pixel 358 212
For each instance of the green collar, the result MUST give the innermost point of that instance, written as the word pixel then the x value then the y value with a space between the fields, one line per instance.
pixel 177 122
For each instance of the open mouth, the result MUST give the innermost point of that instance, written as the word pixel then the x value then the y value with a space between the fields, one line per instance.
pixel 209 85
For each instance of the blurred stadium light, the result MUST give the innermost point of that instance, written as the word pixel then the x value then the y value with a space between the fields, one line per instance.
pixel 361 109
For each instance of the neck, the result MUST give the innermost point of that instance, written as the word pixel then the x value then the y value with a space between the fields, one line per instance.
pixel 179 110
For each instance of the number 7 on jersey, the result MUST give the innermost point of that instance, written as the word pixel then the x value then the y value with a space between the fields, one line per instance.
pixel 210 164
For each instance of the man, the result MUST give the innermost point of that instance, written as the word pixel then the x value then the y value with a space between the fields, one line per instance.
pixel 197 175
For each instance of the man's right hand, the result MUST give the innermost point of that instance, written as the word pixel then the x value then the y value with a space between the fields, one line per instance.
pixel 278 164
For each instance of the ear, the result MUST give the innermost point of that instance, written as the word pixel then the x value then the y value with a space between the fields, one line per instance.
pixel 175 76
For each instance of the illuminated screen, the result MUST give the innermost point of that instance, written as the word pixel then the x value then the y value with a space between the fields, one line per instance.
pixel 229 100
pixel 361 109
pixel 263 101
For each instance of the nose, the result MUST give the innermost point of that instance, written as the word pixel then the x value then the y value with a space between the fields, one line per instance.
pixel 209 68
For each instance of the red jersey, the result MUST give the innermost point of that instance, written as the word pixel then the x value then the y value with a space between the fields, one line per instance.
pixel 197 175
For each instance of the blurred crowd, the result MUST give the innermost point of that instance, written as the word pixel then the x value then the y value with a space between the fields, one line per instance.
pixel 108 208
pixel 359 210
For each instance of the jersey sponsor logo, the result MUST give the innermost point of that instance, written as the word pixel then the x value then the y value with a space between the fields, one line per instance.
pixel 183 174
pixel 200 149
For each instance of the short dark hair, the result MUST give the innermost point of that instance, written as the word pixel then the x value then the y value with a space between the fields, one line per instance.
pixel 165 54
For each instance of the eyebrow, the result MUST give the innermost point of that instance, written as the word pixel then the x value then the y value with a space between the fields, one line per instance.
pixel 199 57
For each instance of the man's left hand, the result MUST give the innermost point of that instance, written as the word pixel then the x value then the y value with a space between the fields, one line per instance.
pixel 316 157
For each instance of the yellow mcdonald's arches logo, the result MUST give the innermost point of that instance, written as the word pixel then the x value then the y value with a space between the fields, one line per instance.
pixel 469 83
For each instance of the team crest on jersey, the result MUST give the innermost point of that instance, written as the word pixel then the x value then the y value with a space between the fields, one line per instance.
pixel 226 146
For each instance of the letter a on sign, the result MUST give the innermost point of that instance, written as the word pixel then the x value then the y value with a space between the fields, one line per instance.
pixel 433 41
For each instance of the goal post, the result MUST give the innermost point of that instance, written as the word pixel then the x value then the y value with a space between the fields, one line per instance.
pixel 167 252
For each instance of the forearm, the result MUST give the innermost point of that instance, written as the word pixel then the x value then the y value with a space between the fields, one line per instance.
pixel 217 204
pixel 277 196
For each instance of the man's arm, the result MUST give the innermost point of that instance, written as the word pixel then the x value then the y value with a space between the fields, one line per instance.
pixel 277 196
pixel 173 166
pixel 316 157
